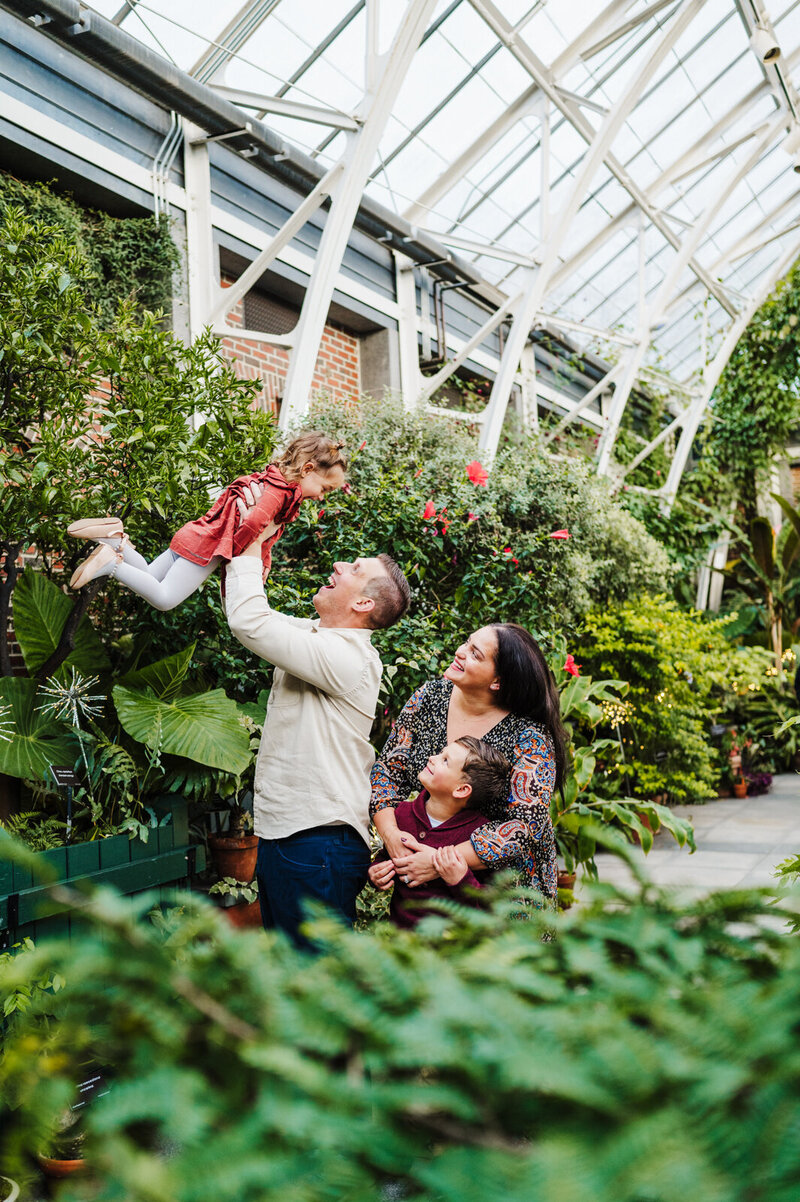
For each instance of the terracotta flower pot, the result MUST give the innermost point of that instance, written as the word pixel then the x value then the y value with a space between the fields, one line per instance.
pixel 565 880
pixel 60 1168
pixel 234 856
pixel 245 914
pixel 740 788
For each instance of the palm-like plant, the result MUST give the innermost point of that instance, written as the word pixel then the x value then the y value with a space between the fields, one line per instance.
pixel 767 570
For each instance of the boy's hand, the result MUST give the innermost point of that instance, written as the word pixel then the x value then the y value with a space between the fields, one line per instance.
pixel 382 874
pixel 450 865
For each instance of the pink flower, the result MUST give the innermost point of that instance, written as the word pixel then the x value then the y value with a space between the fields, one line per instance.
pixel 571 667
pixel 472 517
pixel 417 474
pixel 429 511
pixel 347 488
pixel 319 515
pixel 477 473
pixel 364 443
pixel 559 534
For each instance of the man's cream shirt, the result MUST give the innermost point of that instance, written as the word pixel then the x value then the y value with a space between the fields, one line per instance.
pixel 315 757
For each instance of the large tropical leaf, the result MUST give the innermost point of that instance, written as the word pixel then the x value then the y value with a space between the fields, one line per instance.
pixel 203 727
pixel 165 677
pixel 762 541
pixel 791 540
pixel 40 611
pixel 36 741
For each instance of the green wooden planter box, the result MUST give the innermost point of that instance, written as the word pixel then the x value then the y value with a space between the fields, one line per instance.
pixel 130 866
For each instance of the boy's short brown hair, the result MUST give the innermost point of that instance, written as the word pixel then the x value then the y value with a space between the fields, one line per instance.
pixel 488 771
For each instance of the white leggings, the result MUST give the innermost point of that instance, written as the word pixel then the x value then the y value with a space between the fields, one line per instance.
pixel 165 582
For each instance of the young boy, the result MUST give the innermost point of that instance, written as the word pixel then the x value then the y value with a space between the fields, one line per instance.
pixel 457 784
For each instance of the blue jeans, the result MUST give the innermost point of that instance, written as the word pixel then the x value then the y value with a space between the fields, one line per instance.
pixel 328 863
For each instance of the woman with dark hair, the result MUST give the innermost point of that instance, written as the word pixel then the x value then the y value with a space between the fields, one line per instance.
pixel 500 689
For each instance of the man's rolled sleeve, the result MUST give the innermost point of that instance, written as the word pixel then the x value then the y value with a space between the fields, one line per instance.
pixel 325 662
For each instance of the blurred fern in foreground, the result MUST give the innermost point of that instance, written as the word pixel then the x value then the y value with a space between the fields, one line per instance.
pixel 647 1053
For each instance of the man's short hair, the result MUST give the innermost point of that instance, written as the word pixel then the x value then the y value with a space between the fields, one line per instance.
pixel 391 594
pixel 488 771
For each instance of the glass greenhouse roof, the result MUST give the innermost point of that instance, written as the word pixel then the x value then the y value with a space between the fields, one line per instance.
pixel 703 157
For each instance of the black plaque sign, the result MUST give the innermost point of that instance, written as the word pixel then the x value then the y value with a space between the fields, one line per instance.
pixel 65 778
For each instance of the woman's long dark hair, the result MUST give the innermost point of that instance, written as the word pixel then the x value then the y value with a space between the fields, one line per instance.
pixel 527 688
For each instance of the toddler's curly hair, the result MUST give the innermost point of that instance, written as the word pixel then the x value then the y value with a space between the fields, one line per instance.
pixel 311 447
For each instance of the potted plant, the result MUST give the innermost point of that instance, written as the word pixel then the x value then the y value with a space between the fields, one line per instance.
pixel 65 1155
pixel 239 901
pixel 234 850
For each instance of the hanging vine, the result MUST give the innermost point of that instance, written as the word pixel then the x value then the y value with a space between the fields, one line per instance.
pixel 756 406
pixel 128 258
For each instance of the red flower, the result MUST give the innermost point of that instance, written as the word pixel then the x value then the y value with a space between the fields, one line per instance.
pixel 364 443
pixel 472 517
pixel 571 667
pixel 429 511
pixel 477 473
pixel 319 515
pixel 417 474
pixel 516 561
pixel 559 534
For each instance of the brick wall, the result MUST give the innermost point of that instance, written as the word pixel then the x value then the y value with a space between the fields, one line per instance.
pixel 337 372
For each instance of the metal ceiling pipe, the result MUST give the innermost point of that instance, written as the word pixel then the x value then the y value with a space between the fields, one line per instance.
pixel 87 33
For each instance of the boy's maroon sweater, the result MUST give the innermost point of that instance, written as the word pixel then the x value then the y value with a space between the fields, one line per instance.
pixel 408 906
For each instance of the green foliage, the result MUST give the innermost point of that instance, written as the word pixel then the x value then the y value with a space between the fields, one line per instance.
pixel 756 403
pixel 766 571
pixel 97 420
pixel 648 1052
pixel 582 815
pixel 126 257
pixel 32 985
pixel 762 704
pixel 39 831
pixel 35 741
pixel 676 663
pixel 229 886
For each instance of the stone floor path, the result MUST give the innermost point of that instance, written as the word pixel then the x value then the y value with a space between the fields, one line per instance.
pixel 739 842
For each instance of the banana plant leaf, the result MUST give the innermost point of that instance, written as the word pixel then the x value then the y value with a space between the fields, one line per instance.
pixel 203 727
pixel 36 741
pixel 40 612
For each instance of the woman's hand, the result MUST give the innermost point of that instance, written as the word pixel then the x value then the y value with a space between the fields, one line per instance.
pixel 382 874
pixel 415 865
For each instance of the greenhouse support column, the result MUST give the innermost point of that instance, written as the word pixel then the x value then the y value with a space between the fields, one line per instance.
pixel 538 281
pixel 651 315
pixel 407 332
pixel 389 71
pixel 694 414
pixel 199 239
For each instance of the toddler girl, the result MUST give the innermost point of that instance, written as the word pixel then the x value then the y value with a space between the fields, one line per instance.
pixel 311 466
